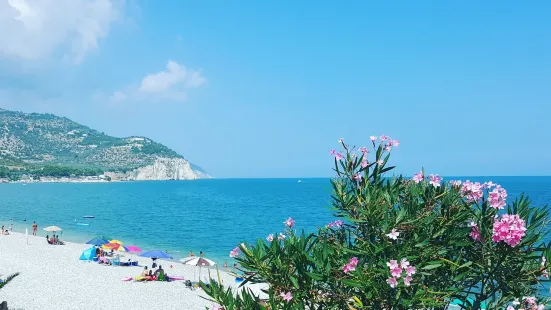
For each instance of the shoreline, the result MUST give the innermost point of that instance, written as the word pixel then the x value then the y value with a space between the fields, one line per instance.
pixel 56 269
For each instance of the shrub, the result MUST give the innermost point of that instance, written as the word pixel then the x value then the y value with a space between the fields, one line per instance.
pixel 400 243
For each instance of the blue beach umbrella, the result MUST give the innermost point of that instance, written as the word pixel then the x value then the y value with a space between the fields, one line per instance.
pixel 97 241
pixel 155 254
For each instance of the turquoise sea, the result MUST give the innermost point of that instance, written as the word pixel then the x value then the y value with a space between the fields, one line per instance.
pixel 212 216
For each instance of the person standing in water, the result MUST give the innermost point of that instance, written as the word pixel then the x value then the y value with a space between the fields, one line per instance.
pixel 35 227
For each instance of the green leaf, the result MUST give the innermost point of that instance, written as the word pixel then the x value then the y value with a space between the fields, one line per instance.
pixel 429 267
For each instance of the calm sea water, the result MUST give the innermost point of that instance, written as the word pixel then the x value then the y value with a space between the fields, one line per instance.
pixel 206 215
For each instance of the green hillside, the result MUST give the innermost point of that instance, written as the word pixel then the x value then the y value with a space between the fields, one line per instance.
pixel 33 141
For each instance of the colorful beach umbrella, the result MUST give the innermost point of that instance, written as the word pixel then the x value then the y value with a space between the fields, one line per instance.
pixel 97 241
pixel 114 246
pixel 115 241
pixel 155 254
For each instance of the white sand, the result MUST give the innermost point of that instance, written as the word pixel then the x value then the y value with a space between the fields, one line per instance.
pixel 53 277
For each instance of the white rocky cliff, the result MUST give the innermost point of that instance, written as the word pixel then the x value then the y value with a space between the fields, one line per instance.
pixel 162 169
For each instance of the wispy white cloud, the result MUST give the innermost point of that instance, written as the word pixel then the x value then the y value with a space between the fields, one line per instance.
pixel 171 84
pixel 36 29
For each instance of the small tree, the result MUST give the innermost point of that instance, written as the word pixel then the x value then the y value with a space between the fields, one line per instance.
pixel 400 243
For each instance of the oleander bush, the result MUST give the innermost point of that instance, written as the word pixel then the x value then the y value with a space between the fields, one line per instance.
pixel 400 243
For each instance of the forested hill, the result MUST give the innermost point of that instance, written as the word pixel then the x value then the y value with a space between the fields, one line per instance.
pixel 46 142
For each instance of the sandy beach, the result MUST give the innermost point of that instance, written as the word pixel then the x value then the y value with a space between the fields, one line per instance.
pixel 53 277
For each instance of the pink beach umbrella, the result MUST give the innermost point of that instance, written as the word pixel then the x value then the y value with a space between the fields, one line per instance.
pixel 133 248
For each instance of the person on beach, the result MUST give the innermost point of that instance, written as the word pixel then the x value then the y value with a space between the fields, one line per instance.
pixel 35 227
pixel 190 252
pixel 2 228
pixel 98 252
pixel 200 253
pixel 11 227
pixel 226 264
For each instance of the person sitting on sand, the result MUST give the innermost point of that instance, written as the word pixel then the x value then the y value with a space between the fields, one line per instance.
pixel 98 252
pixel 7 233
pixel 190 252
pixel 159 273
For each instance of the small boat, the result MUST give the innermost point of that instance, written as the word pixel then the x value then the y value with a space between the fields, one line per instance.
pixel 299 181
pixel 88 217
pixel 83 224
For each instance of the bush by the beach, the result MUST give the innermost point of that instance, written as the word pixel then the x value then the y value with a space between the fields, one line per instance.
pixel 401 243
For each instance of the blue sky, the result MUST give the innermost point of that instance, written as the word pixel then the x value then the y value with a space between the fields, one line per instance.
pixel 265 89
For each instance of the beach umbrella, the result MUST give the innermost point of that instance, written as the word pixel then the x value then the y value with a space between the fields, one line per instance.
pixel 97 241
pixel 115 246
pixel 155 254
pixel 133 249
pixel 198 261
pixel 115 241
pixel 53 228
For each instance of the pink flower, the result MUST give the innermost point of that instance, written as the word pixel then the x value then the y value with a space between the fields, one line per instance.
pixel 388 148
pixel 289 222
pixel 418 177
pixel 393 234
pixel 509 229
pixel 410 270
pixel 392 282
pixel 270 237
pixel 435 180
pixel 337 224
pixel 472 191
pixel 383 138
pixel 394 143
pixel 287 297
pixel 475 233
pixel 489 184
pixel 351 266
pixel 216 307
pixel 404 263
pixel 373 138
pixel 347 268
pixel 234 252
pixel 455 183
pixel 364 150
pixel 545 274
pixel 392 264
pixel 364 163
pixel 357 176
pixel 339 156
pixel 332 152
pixel 497 197
pixel 407 280
pixel 529 300
pixel 543 260
pixel 396 272
pixel 380 162
pixel 510 308
pixel 281 237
